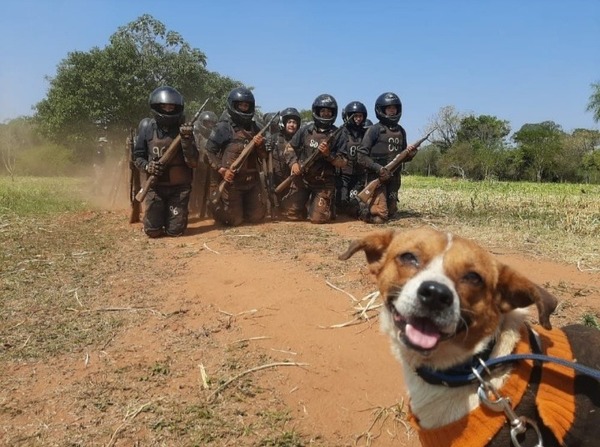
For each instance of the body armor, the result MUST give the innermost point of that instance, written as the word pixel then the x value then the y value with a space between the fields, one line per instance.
pixel 176 171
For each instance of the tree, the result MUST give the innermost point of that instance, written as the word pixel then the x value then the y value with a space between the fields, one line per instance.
pixel 590 165
pixel 111 86
pixel 594 104
pixel 446 125
pixel 10 139
pixel 581 156
pixel 541 147
pixel 306 115
pixel 478 148
pixel 425 162
pixel 487 130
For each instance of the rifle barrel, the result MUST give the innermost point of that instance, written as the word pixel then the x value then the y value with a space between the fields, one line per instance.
pixel 366 193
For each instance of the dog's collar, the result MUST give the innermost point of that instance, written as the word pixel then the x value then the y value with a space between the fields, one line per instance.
pixel 461 375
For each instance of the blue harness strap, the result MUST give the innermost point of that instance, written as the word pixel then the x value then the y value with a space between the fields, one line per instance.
pixel 463 374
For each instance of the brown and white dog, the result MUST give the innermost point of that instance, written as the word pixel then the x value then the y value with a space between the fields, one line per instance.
pixel 447 302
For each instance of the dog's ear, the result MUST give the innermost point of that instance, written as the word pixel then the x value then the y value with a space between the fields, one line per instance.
pixel 517 291
pixel 374 245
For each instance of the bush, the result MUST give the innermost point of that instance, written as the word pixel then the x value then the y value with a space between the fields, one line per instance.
pixel 47 160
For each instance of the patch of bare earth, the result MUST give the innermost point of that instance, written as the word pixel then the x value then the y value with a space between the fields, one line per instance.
pixel 246 336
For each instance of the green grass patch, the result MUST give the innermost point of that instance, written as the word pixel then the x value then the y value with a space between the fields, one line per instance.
pixel 26 196
pixel 561 221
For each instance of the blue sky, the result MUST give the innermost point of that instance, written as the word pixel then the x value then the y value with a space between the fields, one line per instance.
pixel 524 61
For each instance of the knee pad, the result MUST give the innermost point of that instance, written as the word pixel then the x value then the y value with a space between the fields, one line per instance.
pixel 154 233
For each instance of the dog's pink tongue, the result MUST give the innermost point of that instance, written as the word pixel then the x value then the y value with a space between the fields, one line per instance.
pixel 422 333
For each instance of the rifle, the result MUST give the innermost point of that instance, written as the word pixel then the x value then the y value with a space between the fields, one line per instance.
pixel 271 181
pixel 367 193
pixel 134 178
pixel 166 158
pixel 240 160
pixel 284 185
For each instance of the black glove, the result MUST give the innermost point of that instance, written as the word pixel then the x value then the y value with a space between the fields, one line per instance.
pixel 186 131
pixel 155 168
pixel 384 175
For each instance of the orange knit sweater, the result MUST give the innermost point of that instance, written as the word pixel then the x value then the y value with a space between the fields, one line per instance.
pixel 555 398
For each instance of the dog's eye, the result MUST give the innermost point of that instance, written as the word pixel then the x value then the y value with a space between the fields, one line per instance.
pixel 408 259
pixel 473 278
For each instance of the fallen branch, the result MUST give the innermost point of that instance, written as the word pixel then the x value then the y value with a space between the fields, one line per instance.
pixel 203 376
pixel 112 309
pixel 381 415
pixel 591 269
pixel 243 340
pixel 25 344
pixel 341 290
pixel 242 374
pixel 210 249
pixel 251 311
pixel 360 311
pixel 339 325
pixel 126 420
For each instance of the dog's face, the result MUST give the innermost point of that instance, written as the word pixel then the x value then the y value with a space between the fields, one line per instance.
pixel 444 295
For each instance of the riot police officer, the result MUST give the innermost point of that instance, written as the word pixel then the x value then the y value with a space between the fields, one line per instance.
pixel 205 179
pixel 289 123
pixel 351 179
pixel 242 199
pixel 166 203
pixel 312 192
pixel 381 143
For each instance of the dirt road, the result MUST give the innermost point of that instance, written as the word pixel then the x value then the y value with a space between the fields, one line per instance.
pixel 269 307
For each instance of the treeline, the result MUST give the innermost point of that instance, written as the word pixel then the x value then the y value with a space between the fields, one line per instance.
pixel 104 93
pixel 479 148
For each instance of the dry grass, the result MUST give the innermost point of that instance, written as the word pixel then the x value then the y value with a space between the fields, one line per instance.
pixel 73 278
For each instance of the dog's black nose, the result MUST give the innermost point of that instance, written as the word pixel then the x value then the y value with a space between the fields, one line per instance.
pixel 434 295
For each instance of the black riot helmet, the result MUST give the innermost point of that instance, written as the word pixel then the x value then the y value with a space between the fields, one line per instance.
pixel 206 121
pixel 324 101
pixel 384 100
pixel 237 95
pixel 290 113
pixel 268 117
pixel 166 95
pixel 352 108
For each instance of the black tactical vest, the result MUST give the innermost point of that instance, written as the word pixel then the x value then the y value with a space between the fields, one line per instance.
pixel 353 168
pixel 233 150
pixel 388 145
pixel 176 171
pixel 310 143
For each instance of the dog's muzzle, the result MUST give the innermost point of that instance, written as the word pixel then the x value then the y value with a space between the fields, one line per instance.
pixel 430 320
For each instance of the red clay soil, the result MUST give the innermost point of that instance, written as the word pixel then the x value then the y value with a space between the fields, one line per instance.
pixel 350 383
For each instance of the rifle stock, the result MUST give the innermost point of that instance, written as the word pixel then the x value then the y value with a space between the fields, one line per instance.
pixel 367 193
pixel 285 184
pixel 166 158
pixel 134 178
pixel 240 160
